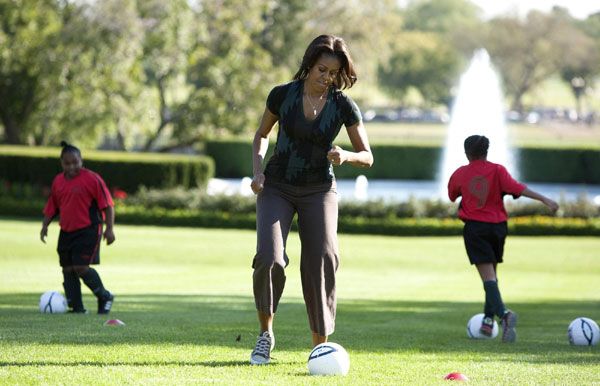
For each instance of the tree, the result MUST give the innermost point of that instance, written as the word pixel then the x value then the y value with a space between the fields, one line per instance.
pixel 284 32
pixel 456 21
pixel 427 53
pixel 167 45
pixel 421 61
pixel 62 66
pixel 209 73
pixel 580 54
pixel 525 52
pixel 30 64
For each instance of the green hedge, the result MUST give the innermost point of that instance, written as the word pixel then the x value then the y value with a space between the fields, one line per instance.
pixel 233 158
pixel 562 165
pixel 127 171
pixel 559 165
pixel 530 226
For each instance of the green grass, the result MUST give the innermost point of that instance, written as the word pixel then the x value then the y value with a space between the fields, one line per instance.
pixel 186 295
pixel 519 134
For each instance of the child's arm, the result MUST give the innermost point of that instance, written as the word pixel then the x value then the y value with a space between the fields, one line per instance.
pixel 109 234
pixel 536 196
pixel 44 232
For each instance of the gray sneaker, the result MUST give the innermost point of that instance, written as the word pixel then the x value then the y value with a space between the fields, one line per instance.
pixel 262 352
pixel 508 322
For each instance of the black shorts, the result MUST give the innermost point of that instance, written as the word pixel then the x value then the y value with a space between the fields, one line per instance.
pixel 484 241
pixel 80 247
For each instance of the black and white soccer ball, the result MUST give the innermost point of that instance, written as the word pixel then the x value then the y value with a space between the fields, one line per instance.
pixel 53 302
pixel 583 332
pixel 328 359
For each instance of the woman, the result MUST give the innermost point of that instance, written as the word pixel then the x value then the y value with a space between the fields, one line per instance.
pixel 299 179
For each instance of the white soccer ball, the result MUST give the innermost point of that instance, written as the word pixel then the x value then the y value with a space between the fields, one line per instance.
pixel 474 325
pixel 53 302
pixel 328 359
pixel 583 332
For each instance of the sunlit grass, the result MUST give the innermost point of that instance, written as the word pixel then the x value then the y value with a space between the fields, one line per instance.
pixel 186 296
pixel 519 134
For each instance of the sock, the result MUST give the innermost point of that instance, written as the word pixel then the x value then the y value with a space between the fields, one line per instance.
pixel 488 311
pixel 72 287
pixel 493 300
pixel 93 281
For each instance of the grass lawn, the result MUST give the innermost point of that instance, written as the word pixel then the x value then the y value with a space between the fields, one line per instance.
pixel 519 134
pixel 186 296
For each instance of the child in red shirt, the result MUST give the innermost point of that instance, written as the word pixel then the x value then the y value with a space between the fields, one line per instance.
pixel 81 199
pixel 482 185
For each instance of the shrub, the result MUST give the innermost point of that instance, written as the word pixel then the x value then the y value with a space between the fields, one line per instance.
pixel 127 171
pixel 137 214
pixel 397 161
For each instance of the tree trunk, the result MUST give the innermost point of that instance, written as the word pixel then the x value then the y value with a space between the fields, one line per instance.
pixel 164 114
pixel 11 129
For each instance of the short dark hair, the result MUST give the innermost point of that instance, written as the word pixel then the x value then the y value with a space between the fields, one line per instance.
pixel 67 148
pixel 332 45
pixel 477 146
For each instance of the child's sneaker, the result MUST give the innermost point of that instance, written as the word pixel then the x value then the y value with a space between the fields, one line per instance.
pixel 508 322
pixel 262 352
pixel 487 326
pixel 77 311
pixel 105 304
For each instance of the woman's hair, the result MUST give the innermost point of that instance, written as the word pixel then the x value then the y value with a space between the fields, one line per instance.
pixel 476 146
pixel 332 45
pixel 66 148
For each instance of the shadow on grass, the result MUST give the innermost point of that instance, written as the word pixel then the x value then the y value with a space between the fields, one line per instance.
pixel 363 326
pixel 121 363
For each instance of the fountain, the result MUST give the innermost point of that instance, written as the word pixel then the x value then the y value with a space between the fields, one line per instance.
pixel 245 189
pixel 478 109
pixel 361 186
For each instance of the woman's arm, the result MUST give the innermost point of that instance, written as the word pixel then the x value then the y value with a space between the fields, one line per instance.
pixel 259 149
pixel 361 156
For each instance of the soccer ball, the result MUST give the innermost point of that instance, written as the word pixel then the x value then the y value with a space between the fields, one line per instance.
pixel 52 302
pixel 474 325
pixel 583 332
pixel 328 359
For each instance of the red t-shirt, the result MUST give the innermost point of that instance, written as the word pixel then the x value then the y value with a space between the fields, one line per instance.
pixel 79 201
pixel 482 185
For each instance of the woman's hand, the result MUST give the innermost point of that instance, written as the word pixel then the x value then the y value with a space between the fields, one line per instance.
pixel 336 155
pixel 258 183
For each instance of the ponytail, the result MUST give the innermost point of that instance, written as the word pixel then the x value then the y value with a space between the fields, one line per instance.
pixel 67 148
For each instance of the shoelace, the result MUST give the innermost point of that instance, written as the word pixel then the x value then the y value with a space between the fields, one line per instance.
pixel 263 346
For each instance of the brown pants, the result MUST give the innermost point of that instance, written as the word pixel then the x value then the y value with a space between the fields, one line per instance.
pixel 317 227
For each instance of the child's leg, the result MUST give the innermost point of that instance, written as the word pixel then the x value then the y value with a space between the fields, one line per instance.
pixel 72 288
pixel 86 251
pixel 493 299
pixel 488 309
pixel 91 279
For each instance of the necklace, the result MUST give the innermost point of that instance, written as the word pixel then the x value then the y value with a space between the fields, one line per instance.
pixel 318 102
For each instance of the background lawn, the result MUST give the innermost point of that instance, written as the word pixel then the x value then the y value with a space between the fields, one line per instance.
pixel 186 295
pixel 548 134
